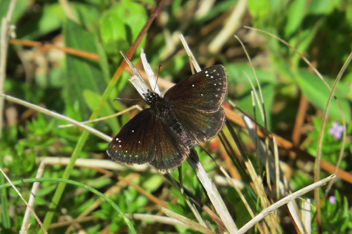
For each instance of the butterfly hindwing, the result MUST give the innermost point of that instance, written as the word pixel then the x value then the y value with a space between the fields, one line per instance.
pixel 200 126
pixel 134 144
pixel 204 91
pixel 170 150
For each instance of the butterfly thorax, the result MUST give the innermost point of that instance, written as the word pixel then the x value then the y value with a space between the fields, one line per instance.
pixel 160 107
pixel 163 111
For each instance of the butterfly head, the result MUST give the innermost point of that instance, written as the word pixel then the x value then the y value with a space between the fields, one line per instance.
pixel 150 97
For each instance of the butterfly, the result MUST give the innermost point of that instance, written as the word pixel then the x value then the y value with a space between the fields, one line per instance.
pixel 188 114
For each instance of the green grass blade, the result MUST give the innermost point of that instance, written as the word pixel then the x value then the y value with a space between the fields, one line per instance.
pixel 4 218
pixel 65 181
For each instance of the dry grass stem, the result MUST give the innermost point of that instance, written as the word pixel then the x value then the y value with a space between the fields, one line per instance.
pixel 106 117
pixel 56 115
pixel 33 193
pixel 187 222
pixel 232 24
pixel 4 43
pixel 96 163
pixel 25 202
pixel 213 194
pixel 284 201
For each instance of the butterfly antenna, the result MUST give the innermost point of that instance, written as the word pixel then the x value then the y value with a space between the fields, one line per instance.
pixel 127 99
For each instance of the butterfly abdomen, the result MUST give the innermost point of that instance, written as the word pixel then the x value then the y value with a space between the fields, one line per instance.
pixel 179 130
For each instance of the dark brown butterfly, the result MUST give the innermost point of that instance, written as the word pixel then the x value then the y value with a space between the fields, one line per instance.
pixel 163 135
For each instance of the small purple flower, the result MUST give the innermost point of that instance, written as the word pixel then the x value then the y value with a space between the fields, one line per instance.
pixel 332 199
pixel 336 130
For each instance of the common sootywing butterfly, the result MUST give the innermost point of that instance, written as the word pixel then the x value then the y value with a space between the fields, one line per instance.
pixel 163 135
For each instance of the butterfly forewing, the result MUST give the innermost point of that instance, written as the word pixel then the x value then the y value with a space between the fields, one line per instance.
pixel 204 91
pixel 134 144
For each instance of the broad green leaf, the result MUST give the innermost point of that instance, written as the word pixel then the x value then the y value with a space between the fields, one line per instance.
pixel 153 182
pixel 317 93
pixel 258 8
pixel 238 73
pixel 82 74
pixel 4 6
pixel 87 14
pixel 113 34
pixel 93 100
pixel 295 15
pixel 120 27
pixel 18 12
pixel 267 13
pixel 172 68
pixel 50 20
pixel 349 15
pixel 134 16
pixel 319 7
pixel 103 61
